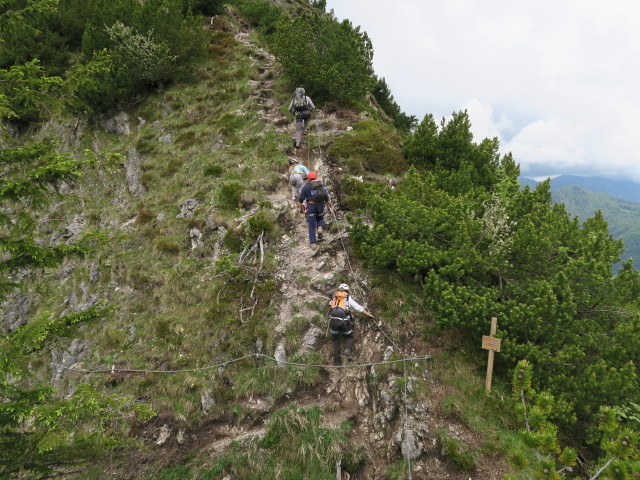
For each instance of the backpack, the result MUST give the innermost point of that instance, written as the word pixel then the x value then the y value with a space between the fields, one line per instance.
pixel 299 100
pixel 339 306
pixel 317 194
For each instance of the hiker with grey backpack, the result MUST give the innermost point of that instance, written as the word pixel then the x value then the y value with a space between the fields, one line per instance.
pixel 341 322
pixel 301 107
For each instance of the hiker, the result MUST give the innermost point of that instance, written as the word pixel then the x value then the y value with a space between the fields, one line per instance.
pixel 341 322
pixel 297 175
pixel 301 107
pixel 316 196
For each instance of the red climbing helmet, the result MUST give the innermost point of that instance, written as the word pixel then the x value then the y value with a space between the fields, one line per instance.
pixel 312 175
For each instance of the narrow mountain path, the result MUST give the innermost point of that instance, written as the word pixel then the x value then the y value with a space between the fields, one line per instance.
pixel 388 422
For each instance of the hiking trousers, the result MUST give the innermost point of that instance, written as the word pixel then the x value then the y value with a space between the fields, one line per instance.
pixel 348 344
pixel 315 217
pixel 296 182
pixel 302 122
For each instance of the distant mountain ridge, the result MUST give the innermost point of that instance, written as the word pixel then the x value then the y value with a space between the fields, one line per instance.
pixel 621 188
pixel 582 200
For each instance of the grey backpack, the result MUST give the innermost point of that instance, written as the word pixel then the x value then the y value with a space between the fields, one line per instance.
pixel 299 100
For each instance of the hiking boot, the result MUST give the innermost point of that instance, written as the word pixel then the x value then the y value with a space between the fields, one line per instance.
pixel 314 246
pixel 298 144
pixel 319 233
pixel 348 355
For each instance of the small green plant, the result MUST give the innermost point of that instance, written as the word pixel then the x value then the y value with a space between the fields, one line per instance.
pixel 229 195
pixel 172 167
pixel 451 408
pixel 398 470
pixel 457 452
pixel 213 170
pixel 306 375
pixel 171 244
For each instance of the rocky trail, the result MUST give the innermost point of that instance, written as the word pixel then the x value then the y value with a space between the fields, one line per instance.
pixel 386 419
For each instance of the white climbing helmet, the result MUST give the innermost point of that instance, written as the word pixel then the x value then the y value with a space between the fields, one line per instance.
pixel 344 287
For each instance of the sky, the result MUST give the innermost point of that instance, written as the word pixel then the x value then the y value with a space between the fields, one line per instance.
pixel 556 81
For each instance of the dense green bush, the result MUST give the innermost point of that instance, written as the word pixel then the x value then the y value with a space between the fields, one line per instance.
pixel 30 30
pixel 371 146
pixel 150 44
pixel 262 15
pixel 383 96
pixel 25 90
pixel 484 248
pixel 331 59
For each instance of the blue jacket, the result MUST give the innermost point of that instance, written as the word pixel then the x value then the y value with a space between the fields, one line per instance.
pixel 305 193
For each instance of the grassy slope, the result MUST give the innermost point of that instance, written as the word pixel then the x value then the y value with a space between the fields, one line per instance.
pixel 177 311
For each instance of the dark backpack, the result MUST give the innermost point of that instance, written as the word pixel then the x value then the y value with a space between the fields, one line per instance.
pixel 317 193
pixel 299 100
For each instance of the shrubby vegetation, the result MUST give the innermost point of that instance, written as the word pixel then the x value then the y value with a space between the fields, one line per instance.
pixel 371 147
pixel 619 452
pixel 100 52
pixel 484 248
pixel 333 60
pixel 382 93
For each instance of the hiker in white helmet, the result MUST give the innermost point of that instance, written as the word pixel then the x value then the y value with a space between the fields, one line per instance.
pixel 301 107
pixel 341 322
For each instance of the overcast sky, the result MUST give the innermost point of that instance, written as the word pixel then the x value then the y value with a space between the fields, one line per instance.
pixel 556 81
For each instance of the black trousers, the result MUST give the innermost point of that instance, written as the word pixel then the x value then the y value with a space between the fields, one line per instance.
pixel 348 344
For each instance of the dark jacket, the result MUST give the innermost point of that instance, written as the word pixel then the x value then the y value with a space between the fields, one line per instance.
pixel 305 193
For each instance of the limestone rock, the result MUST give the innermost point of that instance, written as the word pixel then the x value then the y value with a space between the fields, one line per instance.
pixel 311 339
pixel 118 124
pixel 16 309
pixel 76 351
pixel 207 400
pixel 165 432
pixel 133 173
pixel 196 238
pixel 187 208
pixel 409 445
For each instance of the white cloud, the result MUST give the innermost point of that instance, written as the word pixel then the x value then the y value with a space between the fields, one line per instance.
pixel 555 80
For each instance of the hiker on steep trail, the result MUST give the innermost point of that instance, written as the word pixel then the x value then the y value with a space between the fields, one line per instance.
pixel 316 197
pixel 297 175
pixel 301 107
pixel 341 322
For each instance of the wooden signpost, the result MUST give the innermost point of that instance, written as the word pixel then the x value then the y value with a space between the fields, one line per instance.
pixel 493 345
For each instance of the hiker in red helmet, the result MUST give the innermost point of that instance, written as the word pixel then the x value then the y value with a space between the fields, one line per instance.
pixel 301 107
pixel 316 196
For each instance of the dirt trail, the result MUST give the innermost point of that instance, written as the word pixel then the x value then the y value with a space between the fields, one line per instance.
pixel 386 422
pixel 306 274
